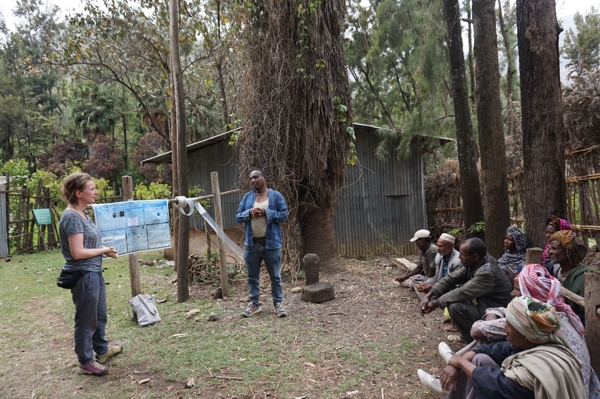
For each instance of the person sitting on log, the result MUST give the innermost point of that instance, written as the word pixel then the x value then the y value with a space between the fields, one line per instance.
pixel 426 266
pixel 515 249
pixel 567 251
pixel 535 361
pixel 553 224
pixel 535 281
pixel 481 285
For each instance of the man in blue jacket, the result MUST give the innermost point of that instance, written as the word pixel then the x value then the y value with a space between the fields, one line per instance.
pixel 262 210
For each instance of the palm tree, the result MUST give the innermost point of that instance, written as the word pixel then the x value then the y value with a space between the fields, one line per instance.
pixel 93 112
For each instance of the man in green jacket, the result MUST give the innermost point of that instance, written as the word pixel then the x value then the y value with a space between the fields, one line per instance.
pixel 568 251
pixel 482 284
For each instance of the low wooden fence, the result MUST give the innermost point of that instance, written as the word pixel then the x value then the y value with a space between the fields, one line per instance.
pixel 583 206
pixel 24 233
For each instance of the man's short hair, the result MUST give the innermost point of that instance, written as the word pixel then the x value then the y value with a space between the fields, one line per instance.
pixel 261 171
pixel 476 246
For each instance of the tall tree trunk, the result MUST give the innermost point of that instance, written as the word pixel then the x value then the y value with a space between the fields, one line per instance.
pixel 543 150
pixel 297 100
pixel 490 127
pixel 219 65
pixel 467 151
pixel 183 231
pixel 511 73
pixel 470 55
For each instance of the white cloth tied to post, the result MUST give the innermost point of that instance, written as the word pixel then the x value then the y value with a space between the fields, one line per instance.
pixel 182 202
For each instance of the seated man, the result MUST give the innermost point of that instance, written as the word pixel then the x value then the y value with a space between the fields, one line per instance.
pixel 536 361
pixel 567 251
pixel 426 265
pixel 446 261
pixel 482 285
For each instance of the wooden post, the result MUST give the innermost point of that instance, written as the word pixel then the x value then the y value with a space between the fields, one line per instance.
pixel 534 255
pixel 134 268
pixel 178 106
pixel 592 318
pixel 214 180
pixel 208 243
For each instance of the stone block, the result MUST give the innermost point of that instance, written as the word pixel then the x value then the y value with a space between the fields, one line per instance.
pixel 318 292
pixel 404 264
pixel 311 268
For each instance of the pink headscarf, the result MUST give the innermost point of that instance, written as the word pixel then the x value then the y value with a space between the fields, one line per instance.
pixel 537 283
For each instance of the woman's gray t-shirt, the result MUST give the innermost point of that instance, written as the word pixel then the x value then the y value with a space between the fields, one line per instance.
pixel 72 223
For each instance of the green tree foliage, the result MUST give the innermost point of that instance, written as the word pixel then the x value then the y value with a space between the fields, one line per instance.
pixel 153 190
pixel 398 65
pixel 128 43
pixel 30 104
pixel 93 111
pixel 582 47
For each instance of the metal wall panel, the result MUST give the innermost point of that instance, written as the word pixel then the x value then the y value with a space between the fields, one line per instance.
pixel 382 203
pixel 215 158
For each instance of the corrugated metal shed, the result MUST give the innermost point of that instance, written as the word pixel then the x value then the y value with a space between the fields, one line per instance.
pixel 382 203
pixel 379 208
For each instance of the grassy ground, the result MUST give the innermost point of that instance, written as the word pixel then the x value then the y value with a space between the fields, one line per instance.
pixel 302 356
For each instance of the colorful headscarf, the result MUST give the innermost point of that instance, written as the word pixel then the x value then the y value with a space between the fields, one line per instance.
pixel 574 247
pixel 514 261
pixel 536 282
pixel 536 320
pixel 559 224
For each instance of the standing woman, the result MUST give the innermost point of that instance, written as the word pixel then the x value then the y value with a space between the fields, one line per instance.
pixel 81 247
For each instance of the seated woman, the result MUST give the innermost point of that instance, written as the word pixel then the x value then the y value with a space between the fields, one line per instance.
pixel 553 224
pixel 515 249
pixel 536 360
pixel 491 326
pixel 536 282
pixel 567 251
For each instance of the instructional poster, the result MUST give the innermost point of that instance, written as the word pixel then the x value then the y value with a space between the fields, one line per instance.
pixel 134 226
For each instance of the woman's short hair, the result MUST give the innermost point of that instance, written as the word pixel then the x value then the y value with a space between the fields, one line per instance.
pixel 73 183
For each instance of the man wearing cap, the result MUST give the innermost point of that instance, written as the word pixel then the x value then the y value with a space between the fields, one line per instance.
pixel 482 285
pixel 446 261
pixel 426 267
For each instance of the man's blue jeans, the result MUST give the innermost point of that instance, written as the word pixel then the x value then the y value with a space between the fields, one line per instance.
pixel 91 314
pixel 253 256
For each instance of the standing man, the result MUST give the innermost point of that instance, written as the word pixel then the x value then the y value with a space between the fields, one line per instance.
pixel 426 267
pixel 262 210
pixel 482 285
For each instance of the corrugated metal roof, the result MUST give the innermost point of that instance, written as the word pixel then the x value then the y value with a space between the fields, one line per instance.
pixel 166 156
